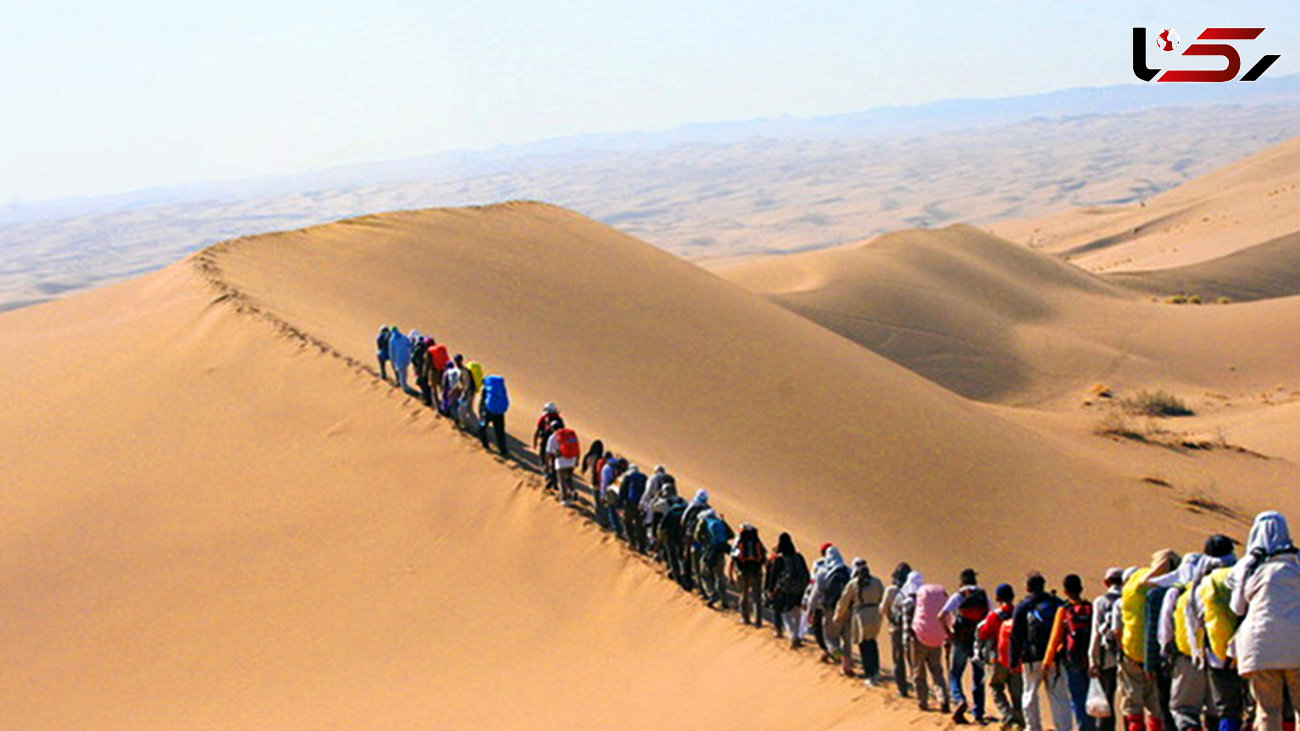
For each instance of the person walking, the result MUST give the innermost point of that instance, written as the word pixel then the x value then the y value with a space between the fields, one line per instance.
pixel 591 464
pixel 714 536
pixel 891 608
pixel 1211 624
pixel 437 361
pixel 746 570
pixel 830 576
pixel 1141 708
pixel 1030 634
pixel 963 612
pixel 653 492
pixel 1005 679
pixel 929 635
pixel 1068 647
pixel 859 612
pixel 630 491
pixel 493 405
pixel 1266 592
pixel 381 343
pixel 453 386
pixel 564 451
pixel 1103 648
pixel 399 354
pixel 547 423
pixel 420 366
pixel 673 536
pixel 787 575
pixel 691 555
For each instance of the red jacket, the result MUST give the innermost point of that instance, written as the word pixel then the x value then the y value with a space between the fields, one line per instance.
pixel 996 630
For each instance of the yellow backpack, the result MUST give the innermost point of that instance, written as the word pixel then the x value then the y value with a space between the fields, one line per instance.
pixel 1180 623
pixel 1220 621
pixel 1132 614
pixel 476 369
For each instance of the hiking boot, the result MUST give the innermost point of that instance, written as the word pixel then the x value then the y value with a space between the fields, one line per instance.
pixel 945 709
pixel 959 717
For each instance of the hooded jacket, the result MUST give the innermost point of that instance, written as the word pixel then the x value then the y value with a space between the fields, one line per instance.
pixel 399 349
pixel 1267 591
pixel 861 603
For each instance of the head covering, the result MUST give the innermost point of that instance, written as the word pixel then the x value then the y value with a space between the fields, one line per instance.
pixel 785 545
pixel 1269 535
pixel 1162 562
pixel 1114 574
pixel 900 573
pixel 1004 590
pixel 415 336
pixel 823 548
pixel 659 469
pixel 861 571
pixel 833 558
pixel 633 468
pixel 701 497
pixel 913 583
pixel 550 408
pixel 1187 569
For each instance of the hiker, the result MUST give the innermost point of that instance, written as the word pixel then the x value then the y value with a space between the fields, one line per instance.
pixel 812 609
pixel 1189 685
pixel 965 609
pixel 606 494
pixel 1005 679
pixel 1030 634
pixel 672 537
pixel 493 405
pixel 691 552
pixel 1067 649
pixel 653 491
pixel 746 570
pixel 1103 648
pixel 399 354
pixel 453 385
pixel 1141 707
pixel 631 489
pixel 787 575
pixel 890 607
pixel 563 450
pixel 435 364
pixel 658 508
pixel 547 423
pixel 1266 591
pixel 381 342
pixel 830 576
pixel 929 636
pixel 1211 624
pixel 471 382
pixel 591 461
pixel 859 612
pixel 419 366
pixel 714 536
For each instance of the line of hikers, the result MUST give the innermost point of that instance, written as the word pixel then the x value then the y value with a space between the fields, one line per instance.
pixel 1202 641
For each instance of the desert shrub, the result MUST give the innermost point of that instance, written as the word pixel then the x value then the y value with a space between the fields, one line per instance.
pixel 1115 424
pixel 1223 301
pixel 1156 403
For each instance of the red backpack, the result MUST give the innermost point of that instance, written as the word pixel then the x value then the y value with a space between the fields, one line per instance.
pixel 1078 632
pixel 566 443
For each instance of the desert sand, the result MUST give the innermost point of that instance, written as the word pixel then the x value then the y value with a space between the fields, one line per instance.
pixel 218 517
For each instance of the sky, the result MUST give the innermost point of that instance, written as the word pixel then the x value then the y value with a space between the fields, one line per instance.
pixel 104 96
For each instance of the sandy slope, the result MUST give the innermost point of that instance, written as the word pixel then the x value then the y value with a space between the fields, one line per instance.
pixel 1250 202
pixel 207 524
pixel 789 423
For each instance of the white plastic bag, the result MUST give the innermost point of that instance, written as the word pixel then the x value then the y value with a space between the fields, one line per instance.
pixel 1098 706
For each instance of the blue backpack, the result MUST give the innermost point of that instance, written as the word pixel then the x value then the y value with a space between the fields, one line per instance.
pixel 717 531
pixel 495 398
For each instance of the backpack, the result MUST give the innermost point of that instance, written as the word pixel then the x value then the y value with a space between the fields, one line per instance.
pixel 1078 633
pixel 566 444
pixel 971 610
pixel 794 576
pixel 716 530
pixel 903 611
pixel 749 550
pixel 440 358
pixel 495 397
pixel 835 583
pixel 1039 634
pixel 474 370
pixel 418 355
pixel 672 520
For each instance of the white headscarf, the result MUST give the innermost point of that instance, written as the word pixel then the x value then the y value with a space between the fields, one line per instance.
pixel 913 584
pixel 1269 536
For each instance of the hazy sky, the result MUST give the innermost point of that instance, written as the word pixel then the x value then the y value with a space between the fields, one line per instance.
pixel 103 96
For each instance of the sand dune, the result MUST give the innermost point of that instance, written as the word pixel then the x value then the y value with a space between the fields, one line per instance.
pixel 207 524
pixel 1250 202
pixel 216 518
